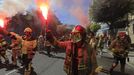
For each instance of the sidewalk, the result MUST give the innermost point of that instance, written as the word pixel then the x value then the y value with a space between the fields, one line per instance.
pixel 131 59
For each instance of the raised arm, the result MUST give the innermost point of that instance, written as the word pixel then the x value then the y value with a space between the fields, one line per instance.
pixel 53 40
pixel 3 31
pixel 12 35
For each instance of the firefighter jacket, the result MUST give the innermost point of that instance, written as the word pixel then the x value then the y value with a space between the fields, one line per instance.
pixel 15 44
pixel 93 44
pixel 83 58
pixel 27 45
pixel 119 47
pixel 3 45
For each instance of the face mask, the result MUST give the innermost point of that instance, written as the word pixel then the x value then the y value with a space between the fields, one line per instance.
pixel 28 34
pixel 76 37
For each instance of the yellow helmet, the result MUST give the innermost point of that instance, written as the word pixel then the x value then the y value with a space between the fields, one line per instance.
pixel 27 30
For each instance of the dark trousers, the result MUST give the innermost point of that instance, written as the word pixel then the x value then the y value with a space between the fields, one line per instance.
pixel 122 61
pixel 48 49
pixel 26 61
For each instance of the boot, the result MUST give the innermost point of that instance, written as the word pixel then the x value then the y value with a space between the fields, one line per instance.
pixel 27 72
pixel 0 61
pixel 6 61
pixel 112 68
pixel 122 68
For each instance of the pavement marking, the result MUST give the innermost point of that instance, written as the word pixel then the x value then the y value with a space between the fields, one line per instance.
pixel 130 65
pixel 13 71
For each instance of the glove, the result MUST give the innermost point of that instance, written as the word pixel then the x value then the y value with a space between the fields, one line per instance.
pixel 50 37
pixel 3 31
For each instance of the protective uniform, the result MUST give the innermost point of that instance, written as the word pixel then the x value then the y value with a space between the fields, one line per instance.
pixel 47 43
pixel 93 44
pixel 78 60
pixel 27 49
pixel 40 43
pixel 101 44
pixel 16 49
pixel 3 47
pixel 119 48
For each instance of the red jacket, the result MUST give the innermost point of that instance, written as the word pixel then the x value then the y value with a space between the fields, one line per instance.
pixel 83 57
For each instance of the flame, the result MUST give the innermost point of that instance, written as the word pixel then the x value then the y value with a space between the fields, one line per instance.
pixel 43 7
pixel 44 10
pixel 1 23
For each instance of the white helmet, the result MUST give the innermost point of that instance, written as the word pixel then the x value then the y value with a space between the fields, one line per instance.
pixel 28 30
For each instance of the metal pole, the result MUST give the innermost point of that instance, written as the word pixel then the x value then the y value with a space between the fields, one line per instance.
pixel 45 31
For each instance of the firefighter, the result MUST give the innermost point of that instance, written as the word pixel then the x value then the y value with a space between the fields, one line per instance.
pixel 93 43
pixel 101 44
pixel 3 47
pixel 28 48
pixel 79 55
pixel 119 48
pixel 40 43
pixel 16 49
pixel 48 45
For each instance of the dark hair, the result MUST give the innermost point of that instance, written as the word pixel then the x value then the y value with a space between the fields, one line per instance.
pixel 92 33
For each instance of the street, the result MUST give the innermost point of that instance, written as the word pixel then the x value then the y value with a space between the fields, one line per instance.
pixel 44 65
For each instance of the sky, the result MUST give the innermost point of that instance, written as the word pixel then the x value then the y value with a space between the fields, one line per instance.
pixel 68 11
pixel 71 11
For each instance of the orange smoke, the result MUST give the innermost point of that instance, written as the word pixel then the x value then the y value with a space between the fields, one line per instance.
pixel 80 15
pixel 78 11
pixel 40 2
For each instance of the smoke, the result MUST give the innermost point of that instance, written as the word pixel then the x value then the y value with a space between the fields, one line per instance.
pixel 58 3
pixel 9 8
pixel 75 8
pixel 80 15
pixel 78 11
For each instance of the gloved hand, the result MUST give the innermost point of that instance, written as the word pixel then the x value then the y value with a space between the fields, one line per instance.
pixel 2 30
pixel 49 36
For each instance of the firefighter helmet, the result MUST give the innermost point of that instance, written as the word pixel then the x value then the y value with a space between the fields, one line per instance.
pixel 79 29
pixel 78 33
pixel 28 30
pixel 47 30
pixel 121 34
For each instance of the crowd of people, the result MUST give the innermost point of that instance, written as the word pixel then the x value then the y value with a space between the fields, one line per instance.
pixel 81 49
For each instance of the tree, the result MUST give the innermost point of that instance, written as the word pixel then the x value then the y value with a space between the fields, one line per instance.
pixel 94 27
pixel 110 11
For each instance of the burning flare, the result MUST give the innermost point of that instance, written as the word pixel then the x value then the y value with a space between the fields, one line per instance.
pixel 1 23
pixel 43 7
pixel 44 10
